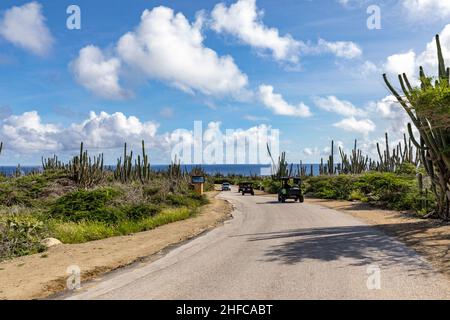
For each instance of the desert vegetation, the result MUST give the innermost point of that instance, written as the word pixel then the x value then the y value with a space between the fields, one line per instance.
pixel 414 175
pixel 83 200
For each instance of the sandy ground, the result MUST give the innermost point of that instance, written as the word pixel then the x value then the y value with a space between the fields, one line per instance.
pixel 430 238
pixel 41 275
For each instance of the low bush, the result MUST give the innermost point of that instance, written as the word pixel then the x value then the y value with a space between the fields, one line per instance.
pixel 390 190
pixel 190 200
pixel 271 186
pixel 86 205
pixel 141 211
pixel 20 235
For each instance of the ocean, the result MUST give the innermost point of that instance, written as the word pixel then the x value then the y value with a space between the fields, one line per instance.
pixel 223 169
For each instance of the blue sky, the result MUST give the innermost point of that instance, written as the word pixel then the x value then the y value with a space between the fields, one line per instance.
pixel 310 68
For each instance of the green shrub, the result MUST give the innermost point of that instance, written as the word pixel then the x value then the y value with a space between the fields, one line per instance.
pixel 190 200
pixel 271 186
pixel 141 211
pixel 84 205
pixel 20 235
pixel 330 187
pixel 151 191
pixel 390 190
pixel 407 168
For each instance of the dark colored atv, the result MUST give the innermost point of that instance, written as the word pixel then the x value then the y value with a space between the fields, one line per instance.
pixel 247 188
pixel 291 191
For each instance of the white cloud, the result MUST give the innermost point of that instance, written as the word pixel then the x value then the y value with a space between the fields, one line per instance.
pixel 25 27
pixel 427 9
pixel 428 58
pixel 387 108
pixel 342 107
pixel 401 63
pixel 244 21
pixel 97 73
pixel 390 114
pixel 410 62
pixel 28 137
pixel 105 130
pixel 27 133
pixel 341 49
pixel 363 126
pixel 279 106
pixel 166 46
pixel 256 118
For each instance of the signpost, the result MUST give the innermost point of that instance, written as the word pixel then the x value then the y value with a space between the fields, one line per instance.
pixel 198 182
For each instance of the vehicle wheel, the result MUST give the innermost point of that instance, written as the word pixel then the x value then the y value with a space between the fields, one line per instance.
pixel 302 199
pixel 253 193
pixel 243 193
pixel 283 200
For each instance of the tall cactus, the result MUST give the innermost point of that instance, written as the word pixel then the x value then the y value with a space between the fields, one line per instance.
pixel 330 163
pixel 356 163
pixel 428 108
pixel 127 172
pixel 86 171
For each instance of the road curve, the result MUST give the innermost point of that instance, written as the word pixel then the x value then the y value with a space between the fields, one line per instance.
pixel 279 251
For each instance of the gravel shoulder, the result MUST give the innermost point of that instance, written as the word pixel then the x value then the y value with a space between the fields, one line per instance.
pixel 41 275
pixel 429 238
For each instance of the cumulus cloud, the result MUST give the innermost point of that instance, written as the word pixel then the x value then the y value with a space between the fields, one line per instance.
pixel 27 133
pixel 342 107
pixel 25 27
pixel 410 61
pixel 390 114
pixel 402 63
pixel 276 103
pixel 341 49
pixel 166 46
pixel 244 21
pixel 426 9
pixel 97 73
pixel 105 130
pixel 363 126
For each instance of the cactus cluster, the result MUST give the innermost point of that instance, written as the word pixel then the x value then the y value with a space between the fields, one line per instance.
pixel 392 161
pixel 330 168
pixel 53 164
pixel 428 108
pixel 355 163
pixel 127 172
pixel 84 170
pixel 281 167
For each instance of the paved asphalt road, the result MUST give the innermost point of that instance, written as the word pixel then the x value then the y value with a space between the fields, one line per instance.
pixel 279 251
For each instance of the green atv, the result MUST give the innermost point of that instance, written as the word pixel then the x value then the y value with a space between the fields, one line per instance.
pixel 291 191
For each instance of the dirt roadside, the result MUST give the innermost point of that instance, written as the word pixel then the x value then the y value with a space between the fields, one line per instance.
pixel 41 275
pixel 430 238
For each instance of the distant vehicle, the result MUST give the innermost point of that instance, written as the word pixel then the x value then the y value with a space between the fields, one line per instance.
pixel 247 187
pixel 291 191
pixel 226 186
